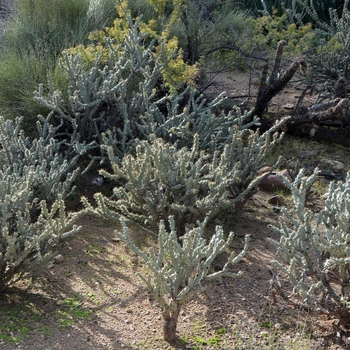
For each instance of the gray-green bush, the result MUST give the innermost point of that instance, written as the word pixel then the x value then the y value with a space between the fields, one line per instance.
pixel 126 85
pixel 35 178
pixel 313 251
pixel 120 102
pixel 159 180
pixel 328 56
pixel 180 270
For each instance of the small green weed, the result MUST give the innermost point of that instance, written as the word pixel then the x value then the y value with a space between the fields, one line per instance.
pixel 215 341
pixel 71 312
pixel 93 298
pixel 92 249
pixel 13 328
pixel 45 330
pixel 266 324
pixel 198 340
pixel 221 331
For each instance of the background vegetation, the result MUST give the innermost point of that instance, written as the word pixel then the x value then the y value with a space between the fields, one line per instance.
pixel 120 82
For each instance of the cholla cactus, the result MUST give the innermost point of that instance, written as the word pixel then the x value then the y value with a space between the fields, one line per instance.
pixel 18 153
pixel 34 181
pixel 313 251
pixel 197 117
pixel 180 271
pixel 160 181
pixel 121 102
pixel 329 55
pixel 126 85
pixel 246 153
pixel 26 243
pixel 119 98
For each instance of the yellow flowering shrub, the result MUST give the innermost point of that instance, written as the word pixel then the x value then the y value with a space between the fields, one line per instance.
pixel 177 72
pixel 268 31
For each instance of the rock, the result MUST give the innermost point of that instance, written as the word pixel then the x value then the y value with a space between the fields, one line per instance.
pixel 293 164
pixel 273 182
pixel 334 164
pixel 330 176
pixel 97 180
pixel 50 265
pixel 116 239
pixel 288 106
pixel 58 259
pixel 304 154
pixel 265 169
pixel 276 200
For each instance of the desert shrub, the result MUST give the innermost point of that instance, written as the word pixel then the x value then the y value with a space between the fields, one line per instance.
pixel 176 73
pixel 50 26
pixel 122 101
pixel 160 181
pixel 279 7
pixel 180 270
pixel 269 30
pixel 33 38
pixel 34 180
pixel 194 27
pixel 328 55
pixel 198 25
pixel 313 251
pixel 58 159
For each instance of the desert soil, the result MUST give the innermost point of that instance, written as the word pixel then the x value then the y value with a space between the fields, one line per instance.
pixel 95 299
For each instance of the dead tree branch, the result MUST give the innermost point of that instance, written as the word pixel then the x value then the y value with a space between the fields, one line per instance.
pixel 232 47
pixel 270 87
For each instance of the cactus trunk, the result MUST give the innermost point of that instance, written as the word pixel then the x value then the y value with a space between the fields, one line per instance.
pixel 170 322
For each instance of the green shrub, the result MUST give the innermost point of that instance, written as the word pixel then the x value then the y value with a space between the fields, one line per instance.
pixel 269 30
pixel 328 55
pixel 44 26
pixel 31 43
